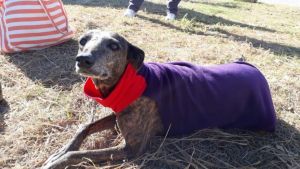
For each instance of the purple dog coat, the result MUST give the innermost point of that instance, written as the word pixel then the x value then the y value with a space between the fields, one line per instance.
pixel 190 97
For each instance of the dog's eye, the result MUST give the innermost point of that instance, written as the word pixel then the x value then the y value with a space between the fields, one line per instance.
pixel 113 46
pixel 83 41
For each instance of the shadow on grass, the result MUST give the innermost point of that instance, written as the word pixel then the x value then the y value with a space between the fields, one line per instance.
pixel 161 10
pixel 4 108
pixel 277 48
pixel 230 5
pixel 97 3
pixel 54 66
pixel 228 149
pixel 170 25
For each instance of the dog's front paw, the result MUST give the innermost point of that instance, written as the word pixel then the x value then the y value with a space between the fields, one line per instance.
pixel 58 162
pixel 56 155
pixel 68 160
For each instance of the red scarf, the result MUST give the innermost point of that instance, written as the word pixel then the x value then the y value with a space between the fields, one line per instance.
pixel 129 88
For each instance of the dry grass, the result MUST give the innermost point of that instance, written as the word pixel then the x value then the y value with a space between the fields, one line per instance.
pixel 44 104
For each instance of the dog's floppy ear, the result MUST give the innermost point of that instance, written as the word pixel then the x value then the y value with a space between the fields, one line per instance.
pixel 135 55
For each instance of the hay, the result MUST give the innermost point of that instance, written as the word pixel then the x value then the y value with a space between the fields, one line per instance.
pixel 43 102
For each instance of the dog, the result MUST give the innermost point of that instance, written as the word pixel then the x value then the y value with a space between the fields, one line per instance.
pixel 150 99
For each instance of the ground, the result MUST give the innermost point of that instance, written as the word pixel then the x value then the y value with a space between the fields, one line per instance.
pixel 44 103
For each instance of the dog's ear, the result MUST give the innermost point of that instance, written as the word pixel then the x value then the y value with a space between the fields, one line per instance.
pixel 135 55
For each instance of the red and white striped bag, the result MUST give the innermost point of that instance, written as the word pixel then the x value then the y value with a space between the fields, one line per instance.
pixel 32 24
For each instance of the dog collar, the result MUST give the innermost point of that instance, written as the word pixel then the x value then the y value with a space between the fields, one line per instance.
pixel 129 88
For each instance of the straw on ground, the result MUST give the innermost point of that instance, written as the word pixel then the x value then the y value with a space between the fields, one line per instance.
pixel 44 103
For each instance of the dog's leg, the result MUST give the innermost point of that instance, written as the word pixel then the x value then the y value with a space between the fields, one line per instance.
pixel 74 144
pixel 74 157
pixel 107 122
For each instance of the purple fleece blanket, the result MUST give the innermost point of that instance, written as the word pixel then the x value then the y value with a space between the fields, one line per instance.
pixel 191 97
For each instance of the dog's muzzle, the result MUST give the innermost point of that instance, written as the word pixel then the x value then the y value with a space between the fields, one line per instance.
pixel 85 61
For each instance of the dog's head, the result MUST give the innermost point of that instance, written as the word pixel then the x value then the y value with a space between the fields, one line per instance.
pixel 104 55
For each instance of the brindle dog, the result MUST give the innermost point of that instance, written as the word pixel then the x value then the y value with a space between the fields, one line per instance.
pixel 104 56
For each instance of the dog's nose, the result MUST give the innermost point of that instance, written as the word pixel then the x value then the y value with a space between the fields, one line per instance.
pixel 85 61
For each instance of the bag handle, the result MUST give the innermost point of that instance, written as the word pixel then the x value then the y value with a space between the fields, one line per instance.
pixel 50 18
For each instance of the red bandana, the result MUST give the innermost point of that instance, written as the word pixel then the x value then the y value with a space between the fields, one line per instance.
pixel 129 88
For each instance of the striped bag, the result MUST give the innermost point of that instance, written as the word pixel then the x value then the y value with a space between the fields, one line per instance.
pixel 32 24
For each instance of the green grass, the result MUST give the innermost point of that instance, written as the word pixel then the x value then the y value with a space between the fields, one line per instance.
pixel 44 103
